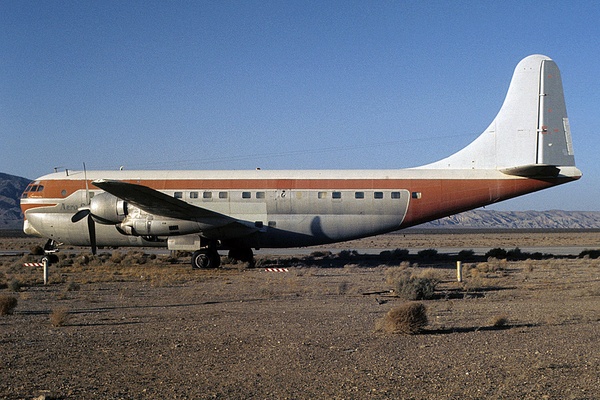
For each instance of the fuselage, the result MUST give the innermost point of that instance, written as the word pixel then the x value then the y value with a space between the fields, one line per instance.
pixel 287 208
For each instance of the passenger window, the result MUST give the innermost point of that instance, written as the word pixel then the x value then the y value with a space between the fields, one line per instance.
pixel 260 195
pixel 193 195
pixel 395 195
pixel 336 195
pixel 322 195
pixel 222 195
pixel 246 195
pixel 378 195
pixel 207 195
pixel 359 195
pixel 178 195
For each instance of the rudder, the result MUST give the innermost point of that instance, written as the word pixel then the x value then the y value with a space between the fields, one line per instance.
pixel 530 129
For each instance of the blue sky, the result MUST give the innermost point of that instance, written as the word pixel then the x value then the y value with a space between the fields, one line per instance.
pixel 282 85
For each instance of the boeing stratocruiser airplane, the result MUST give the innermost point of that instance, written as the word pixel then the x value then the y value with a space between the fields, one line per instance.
pixel 526 148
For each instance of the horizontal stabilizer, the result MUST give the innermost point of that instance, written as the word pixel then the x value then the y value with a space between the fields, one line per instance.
pixel 533 171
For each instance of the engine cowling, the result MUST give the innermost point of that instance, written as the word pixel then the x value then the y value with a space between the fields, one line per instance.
pixel 157 227
pixel 108 209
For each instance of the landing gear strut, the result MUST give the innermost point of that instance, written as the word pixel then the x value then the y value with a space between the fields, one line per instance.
pixel 50 249
pixel 205 259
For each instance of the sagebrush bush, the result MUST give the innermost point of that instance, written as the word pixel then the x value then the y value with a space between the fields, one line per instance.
pixel 15 285
pixel 499 321
pixel 428 254
pixel 465 255
pixel 393 274
pixel 416 288
pixel 7 304
pixel 408 318
pixel 59 317
pixel 396 254
pixel 497 253
pixel 36 250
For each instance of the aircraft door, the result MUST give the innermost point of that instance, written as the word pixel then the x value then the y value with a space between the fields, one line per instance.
pixel 283 201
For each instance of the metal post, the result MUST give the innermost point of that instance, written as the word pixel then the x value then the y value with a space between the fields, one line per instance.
pixel 45 265
pixel 459 271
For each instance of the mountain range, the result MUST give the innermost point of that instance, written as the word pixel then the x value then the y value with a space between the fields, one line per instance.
pixel 11 217
pixel 11 188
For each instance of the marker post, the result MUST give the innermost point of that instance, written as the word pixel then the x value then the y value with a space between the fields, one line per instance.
pixel 45 265
pixel 459 271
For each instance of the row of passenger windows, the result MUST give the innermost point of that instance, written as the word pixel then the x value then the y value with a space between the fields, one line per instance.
pixel 261 195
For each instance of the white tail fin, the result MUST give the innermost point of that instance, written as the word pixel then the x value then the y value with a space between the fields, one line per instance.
pixel 531 129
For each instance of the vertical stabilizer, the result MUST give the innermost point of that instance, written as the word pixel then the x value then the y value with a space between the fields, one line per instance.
pixel 530 129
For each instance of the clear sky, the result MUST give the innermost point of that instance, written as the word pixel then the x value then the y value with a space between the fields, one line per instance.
pixel 283 84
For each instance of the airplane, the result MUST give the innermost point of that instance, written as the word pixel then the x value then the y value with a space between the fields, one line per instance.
pixel 526 148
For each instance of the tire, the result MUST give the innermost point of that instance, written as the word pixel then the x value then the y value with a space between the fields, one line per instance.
pixel 205 259
pixel 201 260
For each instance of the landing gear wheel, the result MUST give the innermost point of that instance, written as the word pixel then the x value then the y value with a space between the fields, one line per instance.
pixel 202 259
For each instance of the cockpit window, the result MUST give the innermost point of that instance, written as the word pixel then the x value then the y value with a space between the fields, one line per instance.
pixel 40 188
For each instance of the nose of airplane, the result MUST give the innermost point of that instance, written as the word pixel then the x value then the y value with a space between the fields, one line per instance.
pixel 29 229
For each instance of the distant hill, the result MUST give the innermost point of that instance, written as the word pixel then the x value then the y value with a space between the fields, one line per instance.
pixel 11 188
pixel 490 219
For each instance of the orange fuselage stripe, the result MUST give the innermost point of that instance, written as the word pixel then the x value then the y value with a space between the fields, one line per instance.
pixel 439 197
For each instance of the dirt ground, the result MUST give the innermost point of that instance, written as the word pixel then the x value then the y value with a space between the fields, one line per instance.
pixel 137 327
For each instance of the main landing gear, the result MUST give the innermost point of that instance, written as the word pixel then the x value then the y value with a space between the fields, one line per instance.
pixel 206 258
pixel 209 257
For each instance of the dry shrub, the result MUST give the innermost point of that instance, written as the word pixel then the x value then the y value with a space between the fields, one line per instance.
pixel 393 274
pixel 15 285
pixel 36 250
pixel 408 318
pixel 7 304
pixel 412 284
pixel 492 265
pixel 416 288
pixel 342 288
pixel 73 287
pixel 500 321
pixel 59 317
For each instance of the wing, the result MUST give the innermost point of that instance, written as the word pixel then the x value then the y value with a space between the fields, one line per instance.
pixel 157 203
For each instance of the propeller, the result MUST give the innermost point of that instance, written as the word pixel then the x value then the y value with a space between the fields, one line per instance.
pixel 86 212
pixel 81 214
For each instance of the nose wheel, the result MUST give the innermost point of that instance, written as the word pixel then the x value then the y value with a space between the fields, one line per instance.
pixel 206 259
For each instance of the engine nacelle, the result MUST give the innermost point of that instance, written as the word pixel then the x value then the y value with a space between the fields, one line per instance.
pixel 108 209
pixel 157 227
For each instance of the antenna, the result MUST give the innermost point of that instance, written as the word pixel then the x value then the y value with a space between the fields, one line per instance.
pixel 87 188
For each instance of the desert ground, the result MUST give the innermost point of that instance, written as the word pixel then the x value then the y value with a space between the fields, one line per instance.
pixel 144 325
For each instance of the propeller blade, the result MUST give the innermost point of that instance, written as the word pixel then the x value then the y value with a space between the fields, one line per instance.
pixel 92 232
pixel 81 214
